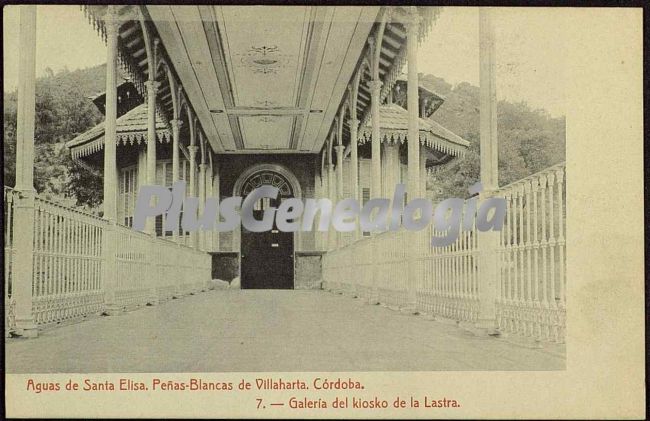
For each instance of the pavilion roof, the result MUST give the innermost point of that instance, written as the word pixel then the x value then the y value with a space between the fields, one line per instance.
pixel 243 95
pixel 433 98
pixel 131 129
pixel 394 128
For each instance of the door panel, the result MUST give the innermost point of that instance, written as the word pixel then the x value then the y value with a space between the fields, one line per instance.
pixel 266 258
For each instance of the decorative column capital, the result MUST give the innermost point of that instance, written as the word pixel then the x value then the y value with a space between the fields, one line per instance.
pixel 192 149
pixel 375 87
pixel 371 42
pixel 353 123
pixel 111 22
pixel 339 149
pixel 152 86
pixel 176 124
pixel 203 166
pixel 413 21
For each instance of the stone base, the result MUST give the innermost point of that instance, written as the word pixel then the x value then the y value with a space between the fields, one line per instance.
pixel 26 329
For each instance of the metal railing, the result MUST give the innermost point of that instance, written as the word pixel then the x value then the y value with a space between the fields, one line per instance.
pixel 448 276
pixel 69 257
pixel 10 197
pixel 532 299
pixel 401 268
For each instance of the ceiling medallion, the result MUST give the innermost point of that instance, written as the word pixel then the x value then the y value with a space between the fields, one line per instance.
pixel 266 119
pixel 264 59
pixel 266 103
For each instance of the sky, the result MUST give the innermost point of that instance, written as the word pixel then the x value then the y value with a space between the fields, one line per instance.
pixel 529 49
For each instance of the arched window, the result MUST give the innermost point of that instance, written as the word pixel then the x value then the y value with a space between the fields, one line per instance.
pixel 270 178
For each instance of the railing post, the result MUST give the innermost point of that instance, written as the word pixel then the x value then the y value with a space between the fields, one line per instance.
pixel 413 273
pixel 178 292
pixel 109 270
pixel 109 236
pixel 23 265
pixel 489 276
pixel 151 250
pixel 488 241
pixel 375 258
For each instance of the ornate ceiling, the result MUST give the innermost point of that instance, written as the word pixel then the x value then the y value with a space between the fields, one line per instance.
pixel 264 78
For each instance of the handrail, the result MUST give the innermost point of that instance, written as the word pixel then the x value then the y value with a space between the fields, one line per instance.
pixel 531 177
pixel 529 289
pixel 83 264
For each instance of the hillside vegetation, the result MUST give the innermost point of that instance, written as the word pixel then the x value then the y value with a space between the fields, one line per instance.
pixel 529 140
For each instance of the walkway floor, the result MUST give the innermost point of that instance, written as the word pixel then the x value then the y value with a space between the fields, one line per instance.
pixel 256 330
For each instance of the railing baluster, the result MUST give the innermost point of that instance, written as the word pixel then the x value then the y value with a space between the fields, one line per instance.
pixel 527 251
pixel 536 278
pixel 552 245
pixel 544 245
pixel 561 251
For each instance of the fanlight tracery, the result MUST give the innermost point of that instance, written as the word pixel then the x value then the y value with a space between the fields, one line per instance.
pixel 270 178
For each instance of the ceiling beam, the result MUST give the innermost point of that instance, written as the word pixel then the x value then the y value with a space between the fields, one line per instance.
pixel 265 111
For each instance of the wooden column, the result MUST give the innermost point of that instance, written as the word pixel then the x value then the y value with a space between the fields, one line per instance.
pixel 354 158
pixel 152 88
pixel 208 245
pixel 109 236
pixel 413 186
pixel 423 172
pixel 26 107
pixel 389 168
pixel 192 149
pixel 354 161
pixel 489 240
pixel 340 149
pixel 488 101
pixel 176 128
pixel 413 152
pixel 217 194
pixel 331 184
pixel 23 224
pixel 323 190
pixel 384 168
pixel 110 128
pixel 375 91
pixel 202 174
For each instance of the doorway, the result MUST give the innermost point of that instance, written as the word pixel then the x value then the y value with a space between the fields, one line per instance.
pixel 267 257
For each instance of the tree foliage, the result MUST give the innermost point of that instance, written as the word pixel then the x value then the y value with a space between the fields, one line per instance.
pixel 63 111
pixel 529 140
